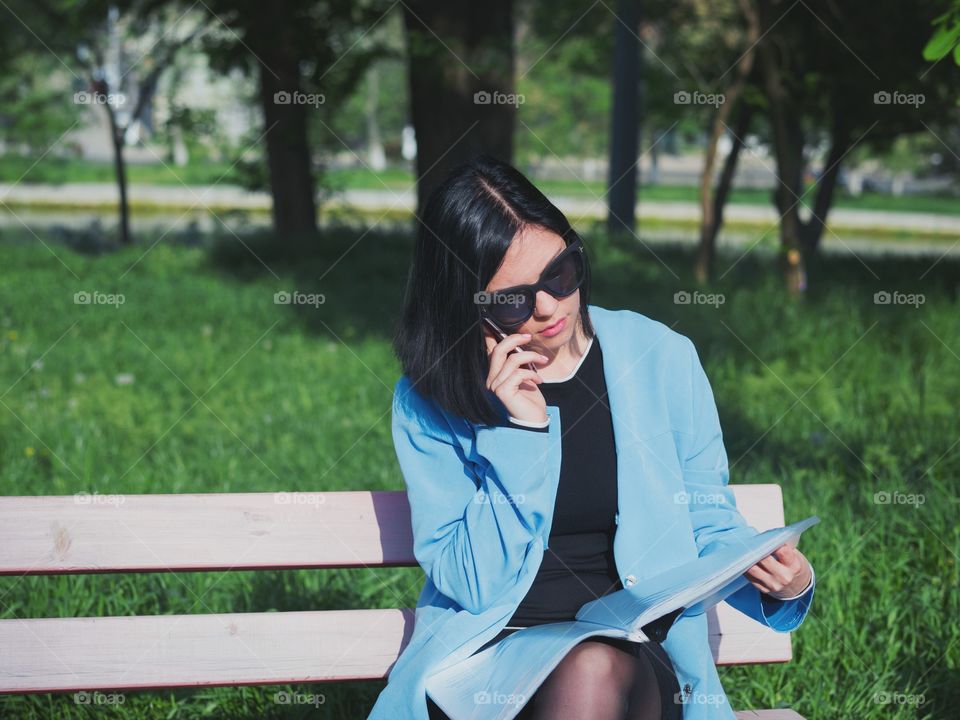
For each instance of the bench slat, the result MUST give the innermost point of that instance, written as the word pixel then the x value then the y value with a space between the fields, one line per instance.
pixel 115 653
pixel 234 531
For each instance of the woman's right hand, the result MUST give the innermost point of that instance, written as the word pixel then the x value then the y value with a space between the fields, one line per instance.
pixel 516 386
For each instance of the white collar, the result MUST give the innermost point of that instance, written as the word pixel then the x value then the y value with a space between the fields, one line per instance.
pixel 579 363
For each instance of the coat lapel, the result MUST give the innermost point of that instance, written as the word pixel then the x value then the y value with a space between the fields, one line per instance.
pixel 648 469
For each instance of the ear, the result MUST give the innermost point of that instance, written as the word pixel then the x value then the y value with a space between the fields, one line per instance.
pixel 490 338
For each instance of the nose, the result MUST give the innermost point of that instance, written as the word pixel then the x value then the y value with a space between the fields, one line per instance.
pixel 546 304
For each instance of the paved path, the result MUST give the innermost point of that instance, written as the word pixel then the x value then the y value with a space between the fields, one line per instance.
pixel 222 197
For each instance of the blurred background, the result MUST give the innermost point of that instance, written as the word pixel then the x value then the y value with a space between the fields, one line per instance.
pixel 207 210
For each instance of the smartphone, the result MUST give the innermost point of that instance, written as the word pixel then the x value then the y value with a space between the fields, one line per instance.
pixel 502 335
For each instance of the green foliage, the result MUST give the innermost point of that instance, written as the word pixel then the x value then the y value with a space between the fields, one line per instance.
pixel 36 105
pixel 946 37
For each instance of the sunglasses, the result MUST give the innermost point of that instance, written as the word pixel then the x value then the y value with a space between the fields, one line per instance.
pixel 512 306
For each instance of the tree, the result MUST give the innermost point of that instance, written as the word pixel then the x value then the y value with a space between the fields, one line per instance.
pixel 848 74
pixel 625 120
pixel 712 201
pixel 463 99
pixel 306 55
pixel 30 87
pixel 94 41
pixel 159 30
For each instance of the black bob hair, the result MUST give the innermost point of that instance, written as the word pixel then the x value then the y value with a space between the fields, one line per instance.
pixel 467 224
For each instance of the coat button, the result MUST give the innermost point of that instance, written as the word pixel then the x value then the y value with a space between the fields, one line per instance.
pixel 629 580
pixel 687 689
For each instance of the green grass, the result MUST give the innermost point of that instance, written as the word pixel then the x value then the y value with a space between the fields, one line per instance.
pixel 834 397
pixel 15 168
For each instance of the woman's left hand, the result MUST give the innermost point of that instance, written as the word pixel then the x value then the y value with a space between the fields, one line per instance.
pixel 785 573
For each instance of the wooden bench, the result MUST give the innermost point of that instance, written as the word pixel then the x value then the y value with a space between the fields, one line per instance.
pixel 250 531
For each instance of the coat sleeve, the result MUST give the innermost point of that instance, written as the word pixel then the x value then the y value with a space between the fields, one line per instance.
pixel 713 510
pixel 474 522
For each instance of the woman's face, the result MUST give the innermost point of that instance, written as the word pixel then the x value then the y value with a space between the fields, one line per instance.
pixel 526 258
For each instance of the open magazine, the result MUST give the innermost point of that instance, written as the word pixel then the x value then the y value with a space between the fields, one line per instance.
pixel 495 683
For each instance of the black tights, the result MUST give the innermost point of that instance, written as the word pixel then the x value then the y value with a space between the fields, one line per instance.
pixel 603 678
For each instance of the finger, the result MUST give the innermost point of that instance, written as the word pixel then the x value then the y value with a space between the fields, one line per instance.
pixel 760 579
pixel 759 584
pixel 515 360
pixel 512 379
pixel 502 347
pixel 787 549
pixel 498 353
pixel 761 587
pixel 781 573
pixel 789 556
pixel 518 376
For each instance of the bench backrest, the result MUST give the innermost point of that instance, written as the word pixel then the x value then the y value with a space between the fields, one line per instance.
pixel 245 531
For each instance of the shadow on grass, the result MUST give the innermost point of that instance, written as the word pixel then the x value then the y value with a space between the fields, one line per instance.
pixel 362 273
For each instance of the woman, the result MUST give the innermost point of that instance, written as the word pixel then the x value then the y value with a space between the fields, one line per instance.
pixel 555 451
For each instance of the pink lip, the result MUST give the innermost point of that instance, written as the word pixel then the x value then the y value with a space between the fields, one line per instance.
pixel 555 328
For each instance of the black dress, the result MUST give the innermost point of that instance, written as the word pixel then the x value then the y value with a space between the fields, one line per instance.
pixel 578 566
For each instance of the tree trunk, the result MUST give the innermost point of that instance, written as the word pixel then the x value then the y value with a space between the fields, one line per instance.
pixel 653 178
pixel 625 122
pixel 462 90
pixel 117 141
pixel 376 156
pixel 725 183
pixel 710 209
pixel 788 147
pixel 789 142
pixel 813 229
pixel 288 150
pixel 703 268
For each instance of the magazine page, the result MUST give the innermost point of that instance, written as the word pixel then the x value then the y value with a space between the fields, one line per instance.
pixel 693 586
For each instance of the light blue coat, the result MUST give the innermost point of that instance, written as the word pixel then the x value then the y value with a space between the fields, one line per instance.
pixel 480 552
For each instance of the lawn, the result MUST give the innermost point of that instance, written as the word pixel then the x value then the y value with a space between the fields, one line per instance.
pixel 835 397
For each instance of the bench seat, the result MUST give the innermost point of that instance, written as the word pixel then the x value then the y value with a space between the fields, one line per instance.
pixel 250 531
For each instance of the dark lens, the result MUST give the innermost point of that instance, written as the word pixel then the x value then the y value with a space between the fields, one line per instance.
pixel 565 276
pixel 510 308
